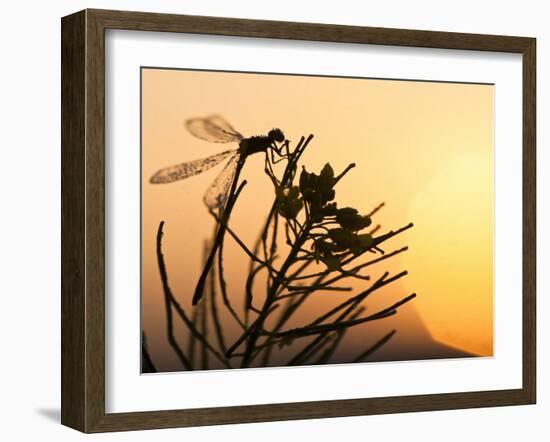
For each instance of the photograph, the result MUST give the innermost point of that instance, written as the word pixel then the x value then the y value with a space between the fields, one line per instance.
pixel 297 220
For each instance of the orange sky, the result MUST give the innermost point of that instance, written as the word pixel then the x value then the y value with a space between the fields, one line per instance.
pixel 426 149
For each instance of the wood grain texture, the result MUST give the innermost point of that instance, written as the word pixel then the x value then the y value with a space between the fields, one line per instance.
pixel 145 21
pixel 529 220
pixel 73 127
pixel 83 218
pixel 95 221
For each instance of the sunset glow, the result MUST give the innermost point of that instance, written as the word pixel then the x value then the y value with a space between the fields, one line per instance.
pixel 425 149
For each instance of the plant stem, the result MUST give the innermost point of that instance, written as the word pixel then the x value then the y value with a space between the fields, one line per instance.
pixel 171 301
pixel 271 296
pixel 146 357
pixel 313 330
pixel 168 302
pixel 252 328
pixel 204 331
pixel 214 310
pixel 221 230
pixel 375 347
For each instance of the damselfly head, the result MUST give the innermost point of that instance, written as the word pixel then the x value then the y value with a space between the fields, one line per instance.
pixel 276 135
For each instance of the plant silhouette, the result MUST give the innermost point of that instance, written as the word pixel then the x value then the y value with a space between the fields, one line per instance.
pixel 326 245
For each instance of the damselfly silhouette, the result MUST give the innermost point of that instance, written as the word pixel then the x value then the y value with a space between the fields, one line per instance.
pixel 219 195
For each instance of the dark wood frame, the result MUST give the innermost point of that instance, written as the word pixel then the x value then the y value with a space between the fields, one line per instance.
pixel 83 215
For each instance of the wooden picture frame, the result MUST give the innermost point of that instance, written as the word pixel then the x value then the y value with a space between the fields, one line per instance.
pixel 83 220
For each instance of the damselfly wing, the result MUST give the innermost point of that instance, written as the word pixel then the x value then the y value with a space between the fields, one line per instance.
pixel 215 130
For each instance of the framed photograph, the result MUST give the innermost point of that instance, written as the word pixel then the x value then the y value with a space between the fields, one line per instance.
pixel 267 220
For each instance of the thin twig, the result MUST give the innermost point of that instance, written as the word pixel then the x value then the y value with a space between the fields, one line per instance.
pixel 168 302
pixel 179 310
pixel 204 331
pixel 375 229
pixel 346 170
pixel 376 209
pixel 214 310
pixel 327 354
pixel 199 336
pixel 254 329
pixel 379 283
pixel 286 312
pixel 223 286
pixel 369 351
pixel 243 246
pixel 303 290
pixel 313 330
pixel 252 333
pixel 146 357
pixel 300 301
pixel 192 339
